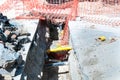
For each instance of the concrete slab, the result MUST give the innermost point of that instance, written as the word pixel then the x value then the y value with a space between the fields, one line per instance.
pixel 96 60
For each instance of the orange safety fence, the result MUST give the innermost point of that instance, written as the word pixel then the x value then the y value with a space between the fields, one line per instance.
pixel 60 10
pixel 6 6
pixel 99 8
pixel 44 9
pixel 38 8
pixel 72 16
pixel 105 12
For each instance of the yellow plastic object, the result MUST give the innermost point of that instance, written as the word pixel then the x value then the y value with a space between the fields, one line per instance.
pixel 61 48
pixel 102 38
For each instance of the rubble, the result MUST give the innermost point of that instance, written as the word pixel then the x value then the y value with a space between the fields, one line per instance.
pixel 11 56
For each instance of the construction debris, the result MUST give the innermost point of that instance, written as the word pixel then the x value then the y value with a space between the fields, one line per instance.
pixel 11 44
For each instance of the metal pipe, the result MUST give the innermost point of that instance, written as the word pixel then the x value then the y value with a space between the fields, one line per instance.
pixel 57 64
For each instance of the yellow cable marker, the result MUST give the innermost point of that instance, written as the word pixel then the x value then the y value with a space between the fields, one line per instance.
pixel 102 38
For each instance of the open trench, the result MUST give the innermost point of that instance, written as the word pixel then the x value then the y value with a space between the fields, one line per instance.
pixel 34 68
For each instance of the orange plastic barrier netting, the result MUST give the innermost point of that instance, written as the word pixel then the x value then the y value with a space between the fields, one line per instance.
pixel 64 10
pixel 104 12
pixel 4 7
pixel 38 8
pixel 90 10
pixel 46 9
pixel 99 8
pixel 56 9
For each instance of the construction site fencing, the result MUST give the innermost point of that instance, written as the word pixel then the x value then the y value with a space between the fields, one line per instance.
pixel 50 9
pixel 105 12
pixel 56 10
pixel 93 10
pixel 38 8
